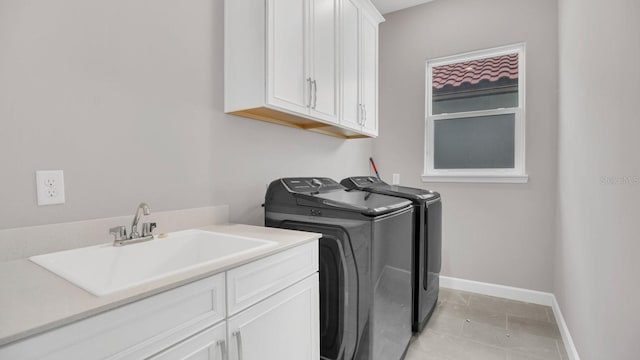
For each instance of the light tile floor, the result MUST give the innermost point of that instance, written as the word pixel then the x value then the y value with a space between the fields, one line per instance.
pixel 467 326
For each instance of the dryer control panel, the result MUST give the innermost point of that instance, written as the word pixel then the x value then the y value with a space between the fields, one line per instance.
pixel 362 182
pixel 311 185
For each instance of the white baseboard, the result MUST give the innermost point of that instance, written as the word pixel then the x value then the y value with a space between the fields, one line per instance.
pixel 502 291
pixel 518 294
pixel 564 331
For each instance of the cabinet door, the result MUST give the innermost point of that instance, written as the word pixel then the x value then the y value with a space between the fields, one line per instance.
pixel 287 51
pixel 284 326
pixel 369 75
pixel 350 66
pixel 324 59
pixel 210 344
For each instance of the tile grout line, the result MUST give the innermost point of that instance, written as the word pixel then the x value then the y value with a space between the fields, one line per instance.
pixel 463 338
pixel 482 343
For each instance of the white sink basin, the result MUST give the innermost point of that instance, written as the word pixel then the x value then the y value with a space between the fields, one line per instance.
pixel 105 269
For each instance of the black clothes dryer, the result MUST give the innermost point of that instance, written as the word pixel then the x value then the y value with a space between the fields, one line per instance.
pixel 365 284
pixel 427 245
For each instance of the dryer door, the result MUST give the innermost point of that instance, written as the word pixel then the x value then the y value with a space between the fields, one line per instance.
pixel 433 248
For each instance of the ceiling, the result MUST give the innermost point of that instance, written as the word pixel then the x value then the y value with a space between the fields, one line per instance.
pixel 387 6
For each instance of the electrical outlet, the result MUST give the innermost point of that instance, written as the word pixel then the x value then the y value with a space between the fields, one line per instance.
pixel 396 179
pixel 50 187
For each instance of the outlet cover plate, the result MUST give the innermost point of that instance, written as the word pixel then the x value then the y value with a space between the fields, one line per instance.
pixel 50 187
pixel 396 179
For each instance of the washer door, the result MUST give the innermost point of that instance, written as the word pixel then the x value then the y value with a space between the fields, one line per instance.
pixel 333 298
pixel 339 291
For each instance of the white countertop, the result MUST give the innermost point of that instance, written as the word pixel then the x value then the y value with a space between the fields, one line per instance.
pixel 34 300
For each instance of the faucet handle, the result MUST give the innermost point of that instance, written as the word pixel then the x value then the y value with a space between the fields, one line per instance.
pixel 147 229
pixel 119 232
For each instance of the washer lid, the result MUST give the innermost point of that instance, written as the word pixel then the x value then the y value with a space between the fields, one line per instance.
pixel 406 192
pixel 372 184
pixel 367 203
pixel 327 193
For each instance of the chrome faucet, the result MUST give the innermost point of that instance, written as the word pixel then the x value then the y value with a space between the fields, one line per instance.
pixel 120 232
pixel 143 208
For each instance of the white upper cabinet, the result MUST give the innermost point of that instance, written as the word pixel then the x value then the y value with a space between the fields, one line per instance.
pixel 359 65
pixel 350 65
pixel 324 59
pixel 287 50
pixel 301 63
pixel 302 57
pixel 369 66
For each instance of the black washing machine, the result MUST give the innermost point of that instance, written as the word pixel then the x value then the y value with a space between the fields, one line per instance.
pixel 365 284
pixel 427 246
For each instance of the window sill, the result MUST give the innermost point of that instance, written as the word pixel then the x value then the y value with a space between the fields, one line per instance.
pixel 496 179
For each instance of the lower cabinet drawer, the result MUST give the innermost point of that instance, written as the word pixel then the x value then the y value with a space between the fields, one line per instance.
pixel 133 331
pixel 251 283
pixel 210 344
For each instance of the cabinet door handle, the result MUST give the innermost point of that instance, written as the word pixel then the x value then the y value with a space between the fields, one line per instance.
pixel 238 336
pixel 315 94
pixel 364 120
pixel 309 101
pixel 222 345
pixel 361 115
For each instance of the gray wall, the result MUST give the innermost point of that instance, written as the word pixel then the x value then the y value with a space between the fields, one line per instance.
pixel 126 97
pixel 596 277
pixel 492 232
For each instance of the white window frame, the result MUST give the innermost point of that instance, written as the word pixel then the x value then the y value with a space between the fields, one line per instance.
pixel 513 175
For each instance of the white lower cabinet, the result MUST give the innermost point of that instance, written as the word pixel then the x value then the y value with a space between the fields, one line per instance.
pixel 284 326
pixel 274 315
